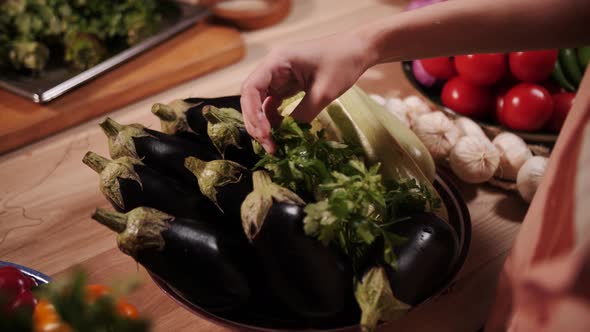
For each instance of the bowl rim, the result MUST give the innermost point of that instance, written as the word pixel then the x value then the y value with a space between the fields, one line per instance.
pixel 40 278
pixel 442 179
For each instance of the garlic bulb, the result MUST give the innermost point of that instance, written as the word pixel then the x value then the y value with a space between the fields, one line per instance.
pixel 438 133
pixel 529 176
pixel 474 160
pixel 513 154
pixel 468 127
pixel 416 108
pixel 398 108
pixel 378 99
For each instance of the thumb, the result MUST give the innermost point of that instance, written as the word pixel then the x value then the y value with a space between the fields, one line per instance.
pixel 315 99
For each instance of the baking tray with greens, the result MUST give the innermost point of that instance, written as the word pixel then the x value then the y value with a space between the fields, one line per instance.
pixel 48 47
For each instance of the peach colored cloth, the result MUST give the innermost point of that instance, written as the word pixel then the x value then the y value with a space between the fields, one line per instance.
pixel 545 283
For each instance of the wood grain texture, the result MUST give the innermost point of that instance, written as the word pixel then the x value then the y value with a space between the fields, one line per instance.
pixel 193 52
pixel 47 194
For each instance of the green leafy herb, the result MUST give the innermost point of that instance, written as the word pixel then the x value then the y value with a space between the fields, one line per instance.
pixel 354 206
pixel 304 159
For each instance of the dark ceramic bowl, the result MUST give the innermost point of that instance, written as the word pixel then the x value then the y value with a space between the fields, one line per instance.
pixel 39 277
pixel 458 217
pixel 488 125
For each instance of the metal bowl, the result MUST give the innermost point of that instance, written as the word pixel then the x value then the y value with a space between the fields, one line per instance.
pixel 458 218
pixel 491 128
pixel 37 276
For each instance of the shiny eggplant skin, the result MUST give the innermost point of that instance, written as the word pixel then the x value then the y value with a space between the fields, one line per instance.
pixel 165 194
pixel 203 262
pixel 194 115
pixel 244 155
pixel 166 153
pixel 310 280
pixel 426 258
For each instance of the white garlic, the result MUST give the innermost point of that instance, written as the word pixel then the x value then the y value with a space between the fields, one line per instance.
pixel 438 133
pixel 474 160
pixel 416 108
pixel 398 108
pixel 468 127
pixel 378 99
pixel 529 177
pixel 513 154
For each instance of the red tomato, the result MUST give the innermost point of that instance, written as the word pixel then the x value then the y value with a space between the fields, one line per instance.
pixel 527 106
pixel 442 68
pixel 465 98
pixel 481 69
pixel 562 103
pixel 500 109
pixel 533 66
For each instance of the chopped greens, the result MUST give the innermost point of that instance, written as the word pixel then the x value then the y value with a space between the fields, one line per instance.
pixel 354 206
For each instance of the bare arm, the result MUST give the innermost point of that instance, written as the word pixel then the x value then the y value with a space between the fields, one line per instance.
pixel 467 26
pixel 327 67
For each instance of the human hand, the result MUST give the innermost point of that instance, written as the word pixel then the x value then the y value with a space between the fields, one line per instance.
pixel 323 68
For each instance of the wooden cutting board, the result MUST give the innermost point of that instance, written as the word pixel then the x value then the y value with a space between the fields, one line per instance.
pixel 191 53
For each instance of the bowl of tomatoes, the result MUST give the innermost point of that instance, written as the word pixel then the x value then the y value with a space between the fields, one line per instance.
pixel 527 93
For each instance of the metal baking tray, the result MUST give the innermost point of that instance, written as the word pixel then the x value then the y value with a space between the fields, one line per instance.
pixel 56 81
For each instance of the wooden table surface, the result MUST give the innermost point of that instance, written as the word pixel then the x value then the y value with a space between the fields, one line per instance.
pixel 47 194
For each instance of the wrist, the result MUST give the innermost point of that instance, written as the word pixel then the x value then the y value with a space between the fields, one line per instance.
pixel 368 49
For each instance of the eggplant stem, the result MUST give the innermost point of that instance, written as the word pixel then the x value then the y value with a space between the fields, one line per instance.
pixel 222 115
pixel 114 220
pixel 195 165
pixel 95 161
pixel 261 180
pixel 164 112
pixel 111 127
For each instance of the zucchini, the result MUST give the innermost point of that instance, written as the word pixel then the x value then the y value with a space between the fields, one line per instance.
pixel 569 62
pixel 583 56
pixel 559 77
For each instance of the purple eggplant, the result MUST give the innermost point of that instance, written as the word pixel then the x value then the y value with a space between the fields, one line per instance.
pixel 198 259
pixel 224 182
pixel 215 122
pixel 425 259
pixel 128 183
pixel 164 153
pixel 309 279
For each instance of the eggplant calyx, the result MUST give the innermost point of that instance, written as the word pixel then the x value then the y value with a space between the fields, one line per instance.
pixel 223 127
pixel 122 168
pixel 120 137
pixel 256 205
pixel 173 116
pixel 139 229
pixel 376 300
pixel 214 174
pixel 95 161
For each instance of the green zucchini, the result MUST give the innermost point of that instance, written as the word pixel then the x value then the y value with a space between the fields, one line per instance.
pixel 569 62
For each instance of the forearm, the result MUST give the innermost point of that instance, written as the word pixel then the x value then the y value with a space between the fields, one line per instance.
pixel 470 26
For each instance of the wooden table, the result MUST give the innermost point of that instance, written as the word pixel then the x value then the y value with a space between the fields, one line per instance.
pixel 47 194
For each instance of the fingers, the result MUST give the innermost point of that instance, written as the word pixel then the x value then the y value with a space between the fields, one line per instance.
pixel 253 93
pixel 270 107
pixel 316 98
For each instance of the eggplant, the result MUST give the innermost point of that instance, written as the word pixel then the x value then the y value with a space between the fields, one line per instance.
pixel 128 183
pixel 216 122
pixel 185 115
pixel 197 258
pixel 228 134
pixel 424 262
pixel 164 153
pixel 425 259
pixel 307 278
pixel 224 182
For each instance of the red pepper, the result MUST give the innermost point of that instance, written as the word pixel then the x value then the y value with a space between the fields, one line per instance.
pixel 15 290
